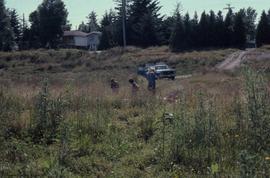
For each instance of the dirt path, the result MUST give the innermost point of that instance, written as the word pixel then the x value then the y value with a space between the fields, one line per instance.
pixel 234 60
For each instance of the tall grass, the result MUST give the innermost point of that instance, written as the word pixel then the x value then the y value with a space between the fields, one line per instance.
pixel 99 134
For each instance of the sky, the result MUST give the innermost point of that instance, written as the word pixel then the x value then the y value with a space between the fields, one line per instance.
pixel 79 9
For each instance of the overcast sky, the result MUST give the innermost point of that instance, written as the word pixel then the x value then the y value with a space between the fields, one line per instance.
pixel 78 9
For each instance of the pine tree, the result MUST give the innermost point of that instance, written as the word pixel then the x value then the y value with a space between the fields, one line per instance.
pixel 25 38
pixel 144 23
pixel 195 31
pixel 220 30
pixel 178 33
pixel 6 33
pixel 240 34
pixel 83 27
pixel 34 31
pixel 250 20
pixel 107 40
pixel 228 24
pixel 204 30
pixel 92 22
pixel 167 26
pixel 118 22
pixel 166 29
pixel 268 15
pixel 212 29
pixel 188 32
pixel 263 31
pixel 15 25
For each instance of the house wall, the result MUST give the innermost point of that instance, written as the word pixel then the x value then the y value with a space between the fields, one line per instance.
pixel 93 41
pixel 81 41
pixel 68 40
pixel 90 42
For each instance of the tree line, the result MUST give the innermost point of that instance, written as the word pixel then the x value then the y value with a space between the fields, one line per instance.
pixel 145 27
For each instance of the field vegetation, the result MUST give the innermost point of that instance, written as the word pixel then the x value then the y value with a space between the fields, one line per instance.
pixel 59 118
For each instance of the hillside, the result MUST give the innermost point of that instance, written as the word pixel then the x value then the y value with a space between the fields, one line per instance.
pixel 64 61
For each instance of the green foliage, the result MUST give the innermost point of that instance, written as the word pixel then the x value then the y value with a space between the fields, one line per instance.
pixel 88 135
pixel 47 116
pixel 178 33
pixel 107 28
pixel 10 110
pixel 144 23
pixel 47 22
pixel 15 25
pixel 263 30
pixel 240 31
pixel 212 30
pixel 258 111
pixel 6 33
pixel 92 22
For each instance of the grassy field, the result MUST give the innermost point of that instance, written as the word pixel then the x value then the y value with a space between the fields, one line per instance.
pixel 59 117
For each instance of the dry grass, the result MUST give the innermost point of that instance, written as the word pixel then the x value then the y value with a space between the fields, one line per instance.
pixel 70 63
pixel 104 134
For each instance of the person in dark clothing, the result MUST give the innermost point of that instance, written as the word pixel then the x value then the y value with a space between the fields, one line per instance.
pixel 114 85
pixel 151 77
pixel 134 86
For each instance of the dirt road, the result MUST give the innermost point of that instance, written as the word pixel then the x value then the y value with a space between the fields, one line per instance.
pixel 234 60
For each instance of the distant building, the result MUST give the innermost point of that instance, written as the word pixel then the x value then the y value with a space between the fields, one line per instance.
pixel 250 42
pixel 78 39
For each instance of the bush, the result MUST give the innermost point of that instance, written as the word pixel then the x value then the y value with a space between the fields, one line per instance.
pixel 47 115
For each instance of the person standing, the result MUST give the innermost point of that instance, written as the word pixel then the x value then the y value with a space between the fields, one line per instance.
pixel 151 78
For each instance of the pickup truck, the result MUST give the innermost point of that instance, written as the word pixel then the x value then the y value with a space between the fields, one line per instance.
pixel 162 70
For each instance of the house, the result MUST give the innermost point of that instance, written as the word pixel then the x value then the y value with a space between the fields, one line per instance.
pixel 79 39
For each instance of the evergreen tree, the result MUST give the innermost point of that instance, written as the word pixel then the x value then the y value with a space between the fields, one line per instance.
pixel 178 33
pixel 268 15
pixel 195 31
pixel 204 31
pixel 34 31
pixel 92 22
pixel 228 24
pixel 168 24
pixel 107 40
pixel 15 25
pixel 166 29
pixel 26 36
pixel 144 23
pixel 240 34
pixel 6 33
pixel 220 30
pixel 83 27
pixel 212 29
pixel 188 32
pixel 48 22
pixel 263 30
pixel 250 20
pixel 118 22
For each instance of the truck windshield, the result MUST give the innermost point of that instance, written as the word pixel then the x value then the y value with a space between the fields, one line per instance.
pixel 161 67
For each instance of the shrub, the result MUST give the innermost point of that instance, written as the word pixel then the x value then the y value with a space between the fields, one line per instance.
pixel 47 115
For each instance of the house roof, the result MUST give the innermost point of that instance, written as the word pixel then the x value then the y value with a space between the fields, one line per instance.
pixel 95 32
pixel 79 33
pixel 74 33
